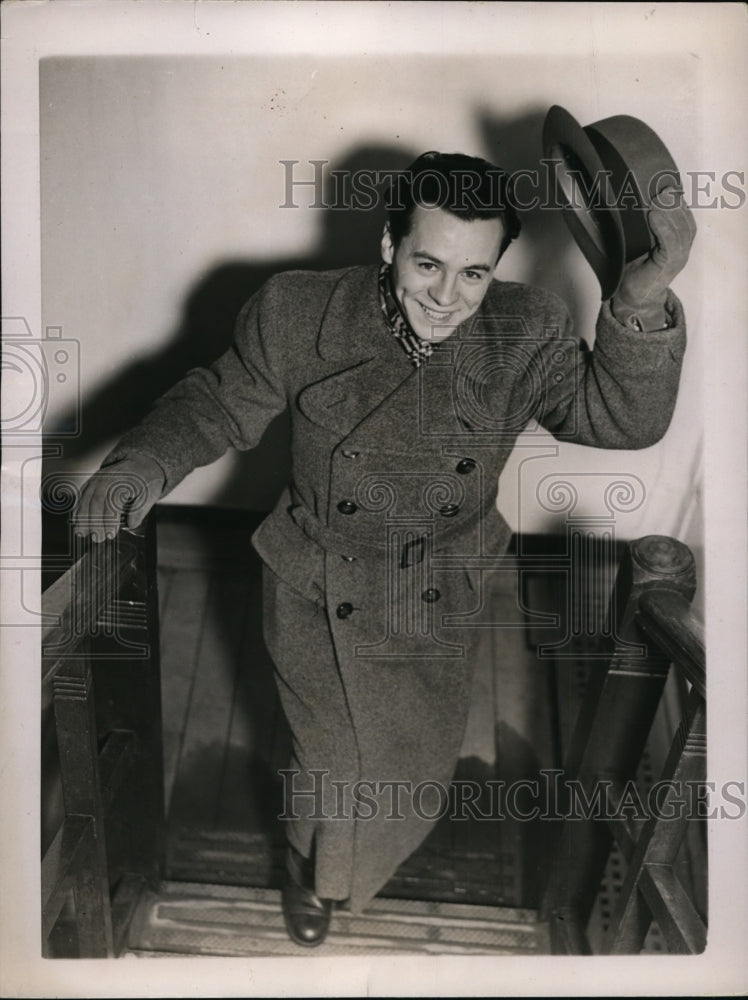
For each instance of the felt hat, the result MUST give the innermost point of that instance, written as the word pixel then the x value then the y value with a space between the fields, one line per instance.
pixel 606 176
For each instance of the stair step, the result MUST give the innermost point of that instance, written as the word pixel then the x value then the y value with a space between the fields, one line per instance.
pixel 192 919
pixel 434 872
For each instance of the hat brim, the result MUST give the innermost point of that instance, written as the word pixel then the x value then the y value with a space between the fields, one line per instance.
pixel 584 190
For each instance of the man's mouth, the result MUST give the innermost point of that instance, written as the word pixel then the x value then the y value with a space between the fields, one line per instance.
pixel 438 317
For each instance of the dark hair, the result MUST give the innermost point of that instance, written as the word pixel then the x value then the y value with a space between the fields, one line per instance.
pixel 466 186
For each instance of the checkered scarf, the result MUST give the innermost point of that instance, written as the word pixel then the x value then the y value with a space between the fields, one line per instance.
pixel 416 349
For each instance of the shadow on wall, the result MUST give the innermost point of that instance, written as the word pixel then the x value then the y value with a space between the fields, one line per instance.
pixel 347 237
pixel 516 144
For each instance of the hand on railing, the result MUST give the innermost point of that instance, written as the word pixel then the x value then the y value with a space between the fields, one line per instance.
pixel 118 495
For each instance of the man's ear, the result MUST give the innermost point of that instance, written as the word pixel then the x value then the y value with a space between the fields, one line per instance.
pixel 502 248
pixel 388 249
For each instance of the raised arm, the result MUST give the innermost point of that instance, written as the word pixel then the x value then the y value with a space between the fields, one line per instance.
pixel 622 394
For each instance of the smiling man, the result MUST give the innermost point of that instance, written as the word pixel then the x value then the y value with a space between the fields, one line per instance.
pixel 407 383
pixel 441 269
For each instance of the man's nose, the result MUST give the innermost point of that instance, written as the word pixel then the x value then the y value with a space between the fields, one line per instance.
pixel 443 290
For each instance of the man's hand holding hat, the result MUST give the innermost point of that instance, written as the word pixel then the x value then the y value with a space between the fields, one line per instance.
pixel 123 492
pixel 639 300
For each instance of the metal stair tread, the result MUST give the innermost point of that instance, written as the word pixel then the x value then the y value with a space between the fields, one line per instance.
pixel 195 918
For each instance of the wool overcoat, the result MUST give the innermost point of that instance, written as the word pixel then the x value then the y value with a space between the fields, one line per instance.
pixel 376 552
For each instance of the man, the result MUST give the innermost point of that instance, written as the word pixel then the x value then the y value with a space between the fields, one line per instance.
pixel 407 386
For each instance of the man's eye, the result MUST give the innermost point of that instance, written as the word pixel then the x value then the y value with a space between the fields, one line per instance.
pixel 474 275
pixel 427 265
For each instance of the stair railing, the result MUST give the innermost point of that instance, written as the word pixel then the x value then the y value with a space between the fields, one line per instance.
pixel 652 628
pixel 101 698
pixel 101 687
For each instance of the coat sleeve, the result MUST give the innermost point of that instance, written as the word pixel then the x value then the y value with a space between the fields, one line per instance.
pixel 621 394
pixel 212 409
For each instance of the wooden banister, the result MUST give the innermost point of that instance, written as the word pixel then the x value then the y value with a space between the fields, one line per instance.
pixel 673 910
pixel 101 689
pixel 658 845
pixel 653 626
pixel 69 853
pixel 625 829
pixel 666 618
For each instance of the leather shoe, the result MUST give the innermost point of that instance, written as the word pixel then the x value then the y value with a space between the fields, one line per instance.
pixel 307 916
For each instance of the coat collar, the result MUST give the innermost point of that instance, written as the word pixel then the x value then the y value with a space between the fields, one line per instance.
pixel 368 362
pixel 352 326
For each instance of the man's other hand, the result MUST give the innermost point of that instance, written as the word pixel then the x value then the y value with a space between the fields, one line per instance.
pixel 642 291
pixel 120 493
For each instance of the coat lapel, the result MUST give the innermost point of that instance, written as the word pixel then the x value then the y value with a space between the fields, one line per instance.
pixel 341 400
pixel 366 363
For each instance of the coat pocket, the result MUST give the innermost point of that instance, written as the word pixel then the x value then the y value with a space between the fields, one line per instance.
pixel 291 554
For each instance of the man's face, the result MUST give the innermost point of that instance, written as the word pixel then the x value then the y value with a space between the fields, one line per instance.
pixel 442 269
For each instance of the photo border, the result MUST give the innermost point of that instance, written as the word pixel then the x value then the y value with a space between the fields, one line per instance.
pixel 715 34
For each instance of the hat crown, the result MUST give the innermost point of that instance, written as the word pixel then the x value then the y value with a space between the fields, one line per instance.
pixel 606 176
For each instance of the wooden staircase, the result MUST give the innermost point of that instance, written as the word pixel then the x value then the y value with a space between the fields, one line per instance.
pixel 103 887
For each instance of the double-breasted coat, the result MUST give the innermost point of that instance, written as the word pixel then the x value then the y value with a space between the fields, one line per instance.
pixel 376 551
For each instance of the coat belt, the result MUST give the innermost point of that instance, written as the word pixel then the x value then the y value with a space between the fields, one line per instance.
pixel 341 544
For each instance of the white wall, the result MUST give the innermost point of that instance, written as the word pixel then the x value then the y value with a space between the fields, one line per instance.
pixel 161 177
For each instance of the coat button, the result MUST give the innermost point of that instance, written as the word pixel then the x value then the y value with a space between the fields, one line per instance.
pixel 347 507
pixel 349 453
pixel 344 610
pixel 449 510
pixel 348 558
pixel 465 466
pixel 430 595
